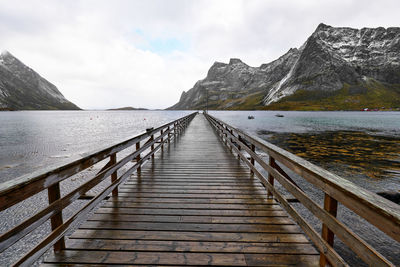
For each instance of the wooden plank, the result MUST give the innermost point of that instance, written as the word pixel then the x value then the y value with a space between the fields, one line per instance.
pixel 188 236
pixel 206 212
pixel 194 200
pixel 192 219
pixel 188 195
pixel 192 246
pixel 276 259
pixel 150 258
pixel 198 187
pixel 194 227
pixel 125 204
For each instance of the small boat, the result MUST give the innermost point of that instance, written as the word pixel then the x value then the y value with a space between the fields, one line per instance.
pixel 250 117
pixel 279 115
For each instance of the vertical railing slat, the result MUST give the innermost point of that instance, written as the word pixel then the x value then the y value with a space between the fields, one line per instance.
pixel 138 157
pixel 114 176
pixel 253 148
pixel 57 219
pixel 330 205
pixel 270 177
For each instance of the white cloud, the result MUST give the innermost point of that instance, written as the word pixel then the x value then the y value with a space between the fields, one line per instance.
pixel 103 54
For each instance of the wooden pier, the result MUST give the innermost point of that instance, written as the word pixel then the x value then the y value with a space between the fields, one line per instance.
pixel 195 204
pixel 201 200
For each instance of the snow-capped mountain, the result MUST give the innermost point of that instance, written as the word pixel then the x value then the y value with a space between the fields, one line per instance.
pixel 22 88
pixel 336 68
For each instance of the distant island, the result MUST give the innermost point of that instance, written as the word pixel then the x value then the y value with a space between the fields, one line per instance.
pixel 337 68
pixel 21 88
pixel 127 108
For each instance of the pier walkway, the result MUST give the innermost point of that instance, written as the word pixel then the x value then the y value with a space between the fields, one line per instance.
pixel 195 191
pixel 194 204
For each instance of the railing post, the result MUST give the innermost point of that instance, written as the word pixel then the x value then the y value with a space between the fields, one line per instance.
pixel 253 148
pixel 226 136
pixel 152 146
pixel 138 157
pixel 231 132
pixel 169 141
pixel 330 205
pixel 162 140
pixel 113 160
pixel 270 177
pixel 56 220
pixel 239 147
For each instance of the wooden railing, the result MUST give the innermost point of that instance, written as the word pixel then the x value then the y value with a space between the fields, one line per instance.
pixel 17 190
pixel 379 212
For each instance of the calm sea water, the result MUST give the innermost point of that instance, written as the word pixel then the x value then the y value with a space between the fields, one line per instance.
pixel 384 123
pixel 357 145
pixel 30 140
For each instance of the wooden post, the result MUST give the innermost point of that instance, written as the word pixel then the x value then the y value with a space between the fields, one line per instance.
pixel 113 160
pixel 330 205
pixel 168 135
pixel 239 147
pixel 253 148
pixel 57 219
pixel 162 140
pixel 152 146
pixel 270 177
pixel 174 129
pixel 231 131
pixel 226 136
pixel 138 157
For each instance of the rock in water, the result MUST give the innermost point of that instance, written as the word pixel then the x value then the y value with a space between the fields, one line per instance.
pixel 21 88
pixel 336 68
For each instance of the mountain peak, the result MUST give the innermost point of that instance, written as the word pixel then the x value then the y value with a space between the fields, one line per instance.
pixel 233 61
pixel 4 53
pixel 331 59
pixel 323 26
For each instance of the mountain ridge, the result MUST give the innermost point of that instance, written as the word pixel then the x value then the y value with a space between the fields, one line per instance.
pixel 21 88
pixel 331 62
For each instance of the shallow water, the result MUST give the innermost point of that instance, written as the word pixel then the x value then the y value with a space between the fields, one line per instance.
pixel 363 147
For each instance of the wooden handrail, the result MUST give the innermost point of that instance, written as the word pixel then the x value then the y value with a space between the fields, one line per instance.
pixel 30 185
pixel 380 212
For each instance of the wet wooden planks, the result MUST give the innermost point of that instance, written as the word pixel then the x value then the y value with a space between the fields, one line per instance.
pixel 195 204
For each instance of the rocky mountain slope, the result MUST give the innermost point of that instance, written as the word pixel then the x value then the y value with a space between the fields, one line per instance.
pixel 336 68
pixel 21 88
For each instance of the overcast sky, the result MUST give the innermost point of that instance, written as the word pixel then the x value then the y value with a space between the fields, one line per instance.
pixel 105 54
